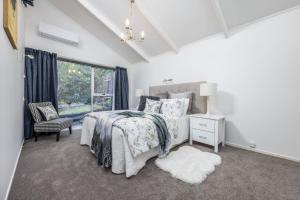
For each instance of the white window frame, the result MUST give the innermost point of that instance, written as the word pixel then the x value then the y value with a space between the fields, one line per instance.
pixel 93 94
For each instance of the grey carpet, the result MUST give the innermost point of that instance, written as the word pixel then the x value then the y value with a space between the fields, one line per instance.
pixel 66 170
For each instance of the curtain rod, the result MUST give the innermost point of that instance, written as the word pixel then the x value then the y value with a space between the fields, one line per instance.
pixel 83 62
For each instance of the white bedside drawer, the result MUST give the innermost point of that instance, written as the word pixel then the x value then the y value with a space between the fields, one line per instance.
pixel 203 124
pixel 203 136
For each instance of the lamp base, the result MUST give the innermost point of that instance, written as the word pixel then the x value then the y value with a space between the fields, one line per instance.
pixel 208 114
pixel 208 107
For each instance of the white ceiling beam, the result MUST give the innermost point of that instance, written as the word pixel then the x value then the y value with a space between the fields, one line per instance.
pixel 220 15
pixel 156 25
pixel 102 18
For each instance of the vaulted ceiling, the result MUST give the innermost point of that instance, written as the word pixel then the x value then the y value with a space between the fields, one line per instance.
pixel 169 24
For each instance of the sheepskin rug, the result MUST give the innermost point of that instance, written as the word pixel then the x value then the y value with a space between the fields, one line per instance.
pixel 189 164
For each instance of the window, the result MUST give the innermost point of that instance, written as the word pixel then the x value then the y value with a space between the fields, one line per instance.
pixel 83 88
pixel 102 87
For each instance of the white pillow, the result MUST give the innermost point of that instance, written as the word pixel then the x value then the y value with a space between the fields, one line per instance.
pixel 186 106
pixel 152 106
pixel 183 95
pixel 174 107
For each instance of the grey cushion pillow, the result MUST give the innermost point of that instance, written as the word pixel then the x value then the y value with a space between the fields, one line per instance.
pixel 48 112
pixel 163 95
pixel 183 95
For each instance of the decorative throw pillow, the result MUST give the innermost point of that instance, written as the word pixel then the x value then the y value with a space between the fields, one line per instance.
pixel 48 112
pixel 173 107
pixel 143 101
pixel 152 106
pixel 183 95
pixel 164 95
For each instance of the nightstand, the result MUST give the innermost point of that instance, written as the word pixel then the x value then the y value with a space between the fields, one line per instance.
pixel 207 129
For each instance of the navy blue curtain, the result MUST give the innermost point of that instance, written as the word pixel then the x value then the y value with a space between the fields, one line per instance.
pixel 40 83
pixel 28 2
pixel 121 89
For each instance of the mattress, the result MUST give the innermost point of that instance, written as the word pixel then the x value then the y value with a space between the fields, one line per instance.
pixel 122 159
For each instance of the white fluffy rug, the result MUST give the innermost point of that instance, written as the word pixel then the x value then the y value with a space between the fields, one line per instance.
pixel 189 164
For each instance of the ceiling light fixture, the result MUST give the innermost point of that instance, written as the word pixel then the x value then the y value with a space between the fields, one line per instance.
pixel 129 32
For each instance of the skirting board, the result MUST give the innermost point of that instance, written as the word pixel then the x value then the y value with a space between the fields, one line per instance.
pixel 263 152
pixel 14 171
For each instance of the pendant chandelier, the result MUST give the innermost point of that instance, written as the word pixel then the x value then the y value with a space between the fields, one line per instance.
pixel 129 32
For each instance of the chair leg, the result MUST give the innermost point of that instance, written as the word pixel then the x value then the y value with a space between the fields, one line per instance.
pixel 70 128
pixel 35 136
pixel 57 136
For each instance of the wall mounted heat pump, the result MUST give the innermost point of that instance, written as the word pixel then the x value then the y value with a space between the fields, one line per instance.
pixel 57 33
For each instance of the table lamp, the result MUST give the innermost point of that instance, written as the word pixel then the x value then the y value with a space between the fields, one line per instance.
pixel 208 90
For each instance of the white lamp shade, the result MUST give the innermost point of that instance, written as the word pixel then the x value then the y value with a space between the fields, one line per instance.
pixel 139 92
pixel 208 89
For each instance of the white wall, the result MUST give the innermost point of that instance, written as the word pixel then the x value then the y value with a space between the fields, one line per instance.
pixel 90 49
pixel 11 102
pixel 258 72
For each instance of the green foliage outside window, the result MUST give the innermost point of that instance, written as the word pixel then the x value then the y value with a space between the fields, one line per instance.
pixel 74 88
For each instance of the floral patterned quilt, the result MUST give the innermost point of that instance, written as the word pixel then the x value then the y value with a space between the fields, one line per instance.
pixel 141 132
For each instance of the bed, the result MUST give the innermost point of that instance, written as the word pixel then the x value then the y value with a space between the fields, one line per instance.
pixel 122 159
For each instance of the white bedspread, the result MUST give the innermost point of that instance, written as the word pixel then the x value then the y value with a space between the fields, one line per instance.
pixel 122 159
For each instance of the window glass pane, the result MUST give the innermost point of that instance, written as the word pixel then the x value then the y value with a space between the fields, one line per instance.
pixel 102 103
pixel 74 89
pixel 103 81
pixel 75 92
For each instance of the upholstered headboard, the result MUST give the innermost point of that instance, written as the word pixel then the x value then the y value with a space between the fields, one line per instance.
pixel 198 104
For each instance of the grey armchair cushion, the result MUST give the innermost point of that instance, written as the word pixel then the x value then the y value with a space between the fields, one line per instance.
pixel 48 112
pixel 55 125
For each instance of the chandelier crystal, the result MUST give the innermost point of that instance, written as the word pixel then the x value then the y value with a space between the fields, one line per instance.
pixel 129 32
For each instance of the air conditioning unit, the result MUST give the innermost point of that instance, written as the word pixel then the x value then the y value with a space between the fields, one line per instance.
pixel 58 33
